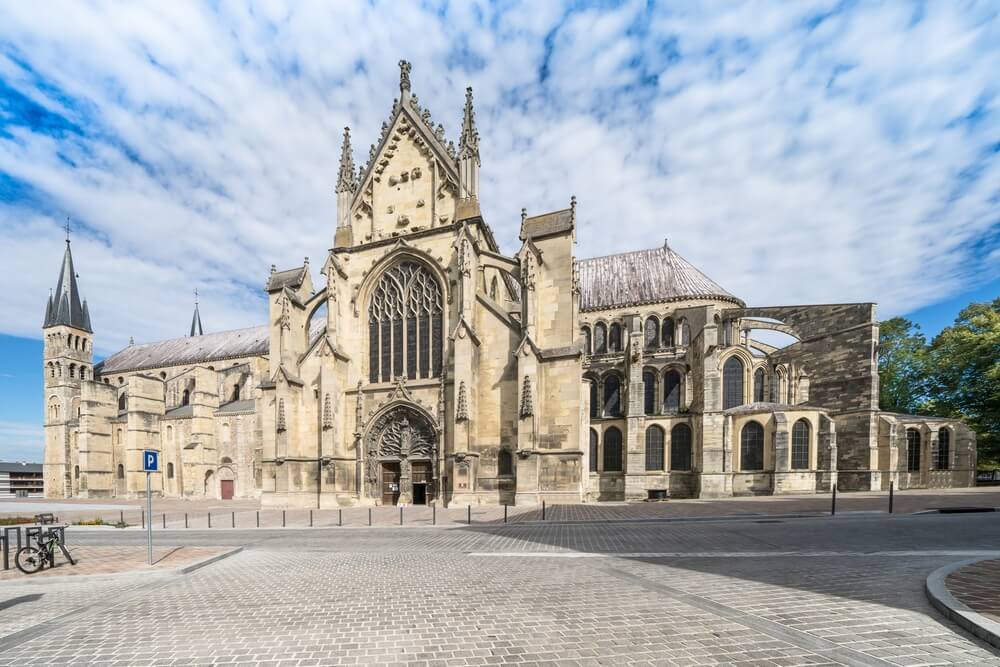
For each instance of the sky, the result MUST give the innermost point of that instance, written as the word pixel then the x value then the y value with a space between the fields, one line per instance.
pixel 806 152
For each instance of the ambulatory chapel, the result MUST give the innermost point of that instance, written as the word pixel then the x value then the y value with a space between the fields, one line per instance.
pixel 418 363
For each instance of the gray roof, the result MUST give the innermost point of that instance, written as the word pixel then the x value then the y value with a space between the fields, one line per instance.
pixel 64 305
pixel 189 350
pixel 555 222
pixel 234 407
pixel 20 466
pixel 755 408
pixel 180 412
pixel 641 277
pixel 290 278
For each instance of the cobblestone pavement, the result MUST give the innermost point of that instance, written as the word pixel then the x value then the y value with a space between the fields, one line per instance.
pixel 93 560
pixel 978 587
pixel 176 513
pixel 799 592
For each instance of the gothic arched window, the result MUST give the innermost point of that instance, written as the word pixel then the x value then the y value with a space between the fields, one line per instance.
pixel 505 462
pixel 170 471
pixel 595 408
pixel 600 338
pixel 615 337
pixel 685 332
pixel 648 392
pixel 732 383
pixel 800 445
pixel 758 385
pixel 668 333
pixel 585 333
pixel 654 448
pixel 672 391
pixel 612 450
pixel 752 447
pixel 121 471
pixel 912 450
pixel 680 447
pixel 494 288
pixel 593 450
pixel 122 403
pixel 944 449
pixel 404 324
pixel 652 333
pixel 612 396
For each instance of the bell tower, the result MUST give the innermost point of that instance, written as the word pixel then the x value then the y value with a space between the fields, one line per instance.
pixel 68 360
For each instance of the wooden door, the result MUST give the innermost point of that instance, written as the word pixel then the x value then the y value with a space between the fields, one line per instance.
pixel 228 486
pixel 420 473
pixel 390 483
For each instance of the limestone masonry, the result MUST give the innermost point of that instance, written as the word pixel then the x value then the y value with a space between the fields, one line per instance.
pixel 429 366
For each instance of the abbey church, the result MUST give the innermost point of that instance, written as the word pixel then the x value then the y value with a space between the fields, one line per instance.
pixel 418 363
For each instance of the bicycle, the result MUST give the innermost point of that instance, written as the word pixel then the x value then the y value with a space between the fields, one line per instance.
pixel 31 559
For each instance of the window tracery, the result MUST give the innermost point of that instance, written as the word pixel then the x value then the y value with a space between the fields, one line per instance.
pixel 405 335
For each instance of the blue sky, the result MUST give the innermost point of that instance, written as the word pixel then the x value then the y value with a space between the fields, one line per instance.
pixel 796 152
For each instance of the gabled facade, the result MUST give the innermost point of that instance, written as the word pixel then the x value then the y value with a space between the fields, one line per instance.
pixel 425 365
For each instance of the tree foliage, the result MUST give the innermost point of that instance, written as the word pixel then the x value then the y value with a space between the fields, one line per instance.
pixel 902 366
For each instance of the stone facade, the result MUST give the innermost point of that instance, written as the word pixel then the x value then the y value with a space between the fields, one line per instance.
pixel 431 367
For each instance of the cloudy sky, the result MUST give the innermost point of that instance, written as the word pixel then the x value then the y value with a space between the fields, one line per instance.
pixel 797 151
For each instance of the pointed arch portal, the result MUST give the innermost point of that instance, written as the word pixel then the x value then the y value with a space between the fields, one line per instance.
pixel 401 448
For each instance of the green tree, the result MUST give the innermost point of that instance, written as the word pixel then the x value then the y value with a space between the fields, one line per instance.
pixel 965 380
pixel 902 366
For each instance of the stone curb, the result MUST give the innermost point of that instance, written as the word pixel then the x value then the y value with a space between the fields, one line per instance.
pixel 188 569
pixel 953 610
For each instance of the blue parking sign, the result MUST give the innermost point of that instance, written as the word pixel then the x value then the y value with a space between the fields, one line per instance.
pixel 150 460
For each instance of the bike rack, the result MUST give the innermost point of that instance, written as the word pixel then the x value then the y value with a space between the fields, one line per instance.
pixel 31 533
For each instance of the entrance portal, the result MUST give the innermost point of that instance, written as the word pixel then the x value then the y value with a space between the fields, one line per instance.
pixel 227 489
pixel 390 482
pixel 420 472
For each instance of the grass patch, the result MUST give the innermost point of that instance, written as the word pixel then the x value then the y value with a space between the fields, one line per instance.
pixel 15 520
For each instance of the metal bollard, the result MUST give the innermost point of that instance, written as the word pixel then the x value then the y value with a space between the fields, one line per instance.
pixel 121 516
pixel 400 515
pixel 891 484
pixel 282 518
pixel 143 518
pixel 234 519
pixel 209 519
pixel 164 521
pixel 258 518
pixel 369 516
pixel 185 519
pixel 470 515
pixel 543 510
pixel 833 501
pixel 505 512
pixel 310 518
pixel 340 517
pixel 434 514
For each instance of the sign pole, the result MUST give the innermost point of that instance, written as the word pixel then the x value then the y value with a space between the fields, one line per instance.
pixel 149 524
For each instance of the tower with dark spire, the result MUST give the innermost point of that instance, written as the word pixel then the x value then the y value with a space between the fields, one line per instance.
pixel 196 329
pixel 68 362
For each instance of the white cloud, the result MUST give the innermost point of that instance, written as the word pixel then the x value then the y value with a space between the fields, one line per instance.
pixel 793 159
pixel 21 442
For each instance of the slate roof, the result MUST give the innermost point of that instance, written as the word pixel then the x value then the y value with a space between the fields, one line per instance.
pixel 644 276
pixel 64 305
pixel 19 466
pixel 290 278
pixel 235 407
pixel 754 408
pixel 555 222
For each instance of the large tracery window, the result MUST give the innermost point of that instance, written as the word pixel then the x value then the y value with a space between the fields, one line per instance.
pixel 732 383
pixel 404 325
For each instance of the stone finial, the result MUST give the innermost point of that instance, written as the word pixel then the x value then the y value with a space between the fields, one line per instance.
pixel 404 76
pixel 468 146
pixel 345 177
pixel 462 408
pixel 527 404
pixel 524 215
pixel 274 268
pixel 131 341
pixel 572 207
pixel 327 413
pixel 281 414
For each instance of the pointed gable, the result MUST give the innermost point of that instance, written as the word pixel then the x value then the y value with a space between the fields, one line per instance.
pixel 64 306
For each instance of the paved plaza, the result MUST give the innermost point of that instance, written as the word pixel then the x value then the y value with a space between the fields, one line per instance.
pixel 845 590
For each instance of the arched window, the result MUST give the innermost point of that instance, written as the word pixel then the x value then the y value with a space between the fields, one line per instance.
pixel 405 324
pixel 122 405
pixel 593 450
pixel 226 459
pixel 652 333
pixel 121 471
pixel 800 445
pixel 72 371
pixel 600 338
pixel 944 449
pixel 685 332
pixel 612 396
pixel 612 450
pixel 494 289
pixel 185 397
pixel 505 462
pixel 585 334
pixel 236 392
pixel 654 448
pixel 595 407
pixel 671 391
pixel 668 332
pixel 752 447
pixel 912 450
pixel 680 447
pixel 615 337
pixel 648 392
pixel 758 385
pixel 732 383
pixel 170 471
pixel 52 369
pixel 76 472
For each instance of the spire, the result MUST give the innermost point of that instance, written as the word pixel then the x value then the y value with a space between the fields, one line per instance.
pixel 196 329
pixel 64 306
pixel 345 180
pixel 469 143
pixel 404 77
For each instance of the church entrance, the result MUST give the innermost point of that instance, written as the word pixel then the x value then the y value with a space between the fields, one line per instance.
pixel 390 482
pixel 420 471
